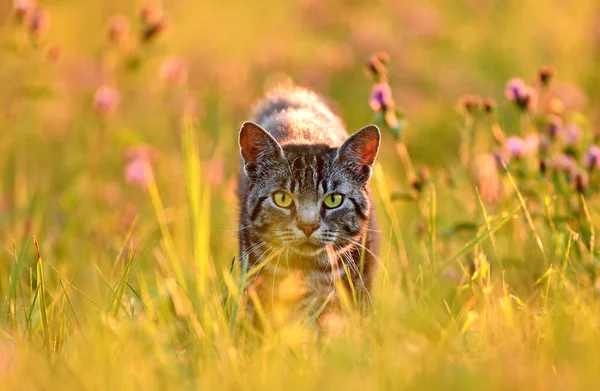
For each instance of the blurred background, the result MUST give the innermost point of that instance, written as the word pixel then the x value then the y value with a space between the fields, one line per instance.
pixel 88 86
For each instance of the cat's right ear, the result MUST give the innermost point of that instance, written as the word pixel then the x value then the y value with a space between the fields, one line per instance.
pixel 257 147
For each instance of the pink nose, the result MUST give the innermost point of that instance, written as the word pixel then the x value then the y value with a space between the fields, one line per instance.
pixel 308 229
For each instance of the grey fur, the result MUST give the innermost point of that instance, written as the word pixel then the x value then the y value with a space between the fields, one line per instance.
pixel 297 144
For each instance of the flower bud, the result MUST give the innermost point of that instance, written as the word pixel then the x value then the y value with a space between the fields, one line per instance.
pixel 489 105
pixel 153 20
pixel 581 181
pixel 546 74
pixel 375 65
pixel 21 8
pixel 39 24
pixel 118 29
pixel 470 104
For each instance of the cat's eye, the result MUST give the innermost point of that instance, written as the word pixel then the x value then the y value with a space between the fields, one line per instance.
pixel 333 200
pixel 283 199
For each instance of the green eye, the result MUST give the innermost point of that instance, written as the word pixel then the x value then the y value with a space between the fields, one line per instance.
pixel 283 199
pixel 333 200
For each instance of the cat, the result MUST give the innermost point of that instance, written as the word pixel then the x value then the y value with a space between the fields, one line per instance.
pixel 305 206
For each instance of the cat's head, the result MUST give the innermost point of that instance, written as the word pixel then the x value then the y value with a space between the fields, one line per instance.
pixel 308 197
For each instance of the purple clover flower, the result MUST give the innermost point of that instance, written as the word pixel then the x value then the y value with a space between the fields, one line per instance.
pixel 523 95
pixel 106 100
pixel 173 71
pixel 516 147
pixel 565 163
pixel 592 157
pixel 136 174
pixel 571 134
pixel 515 88
pixel 381 97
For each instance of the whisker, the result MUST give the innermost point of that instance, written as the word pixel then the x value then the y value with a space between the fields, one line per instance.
pixel 356 269
pixel 360 245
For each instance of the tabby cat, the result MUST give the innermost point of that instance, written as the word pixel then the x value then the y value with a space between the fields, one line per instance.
pixel 305 205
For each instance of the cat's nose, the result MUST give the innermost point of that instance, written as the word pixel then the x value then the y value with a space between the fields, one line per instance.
pixel 308 229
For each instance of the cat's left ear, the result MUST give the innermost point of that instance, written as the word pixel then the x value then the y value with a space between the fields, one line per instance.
pixel 360 150
pixel 257 148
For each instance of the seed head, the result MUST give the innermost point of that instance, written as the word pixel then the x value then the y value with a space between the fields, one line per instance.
pixel 489 105
pixel 153 20
pixel 106 100
pixel 376 64
pixel 151 13
pixel 152 31
pixel 470 104
pixel 118 29
pixel 546 74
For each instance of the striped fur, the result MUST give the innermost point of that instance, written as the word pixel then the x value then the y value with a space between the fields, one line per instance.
pixel 297 144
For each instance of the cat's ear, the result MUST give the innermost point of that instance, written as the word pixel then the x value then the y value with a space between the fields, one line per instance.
pixel 257 147
pixel 359 151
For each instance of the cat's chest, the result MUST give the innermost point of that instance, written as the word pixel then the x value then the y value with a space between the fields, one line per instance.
pixel 295 294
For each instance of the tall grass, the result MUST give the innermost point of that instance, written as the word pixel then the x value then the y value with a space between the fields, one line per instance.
pixel 121 283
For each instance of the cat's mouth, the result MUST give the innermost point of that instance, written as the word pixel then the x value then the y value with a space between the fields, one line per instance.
pixel 308 247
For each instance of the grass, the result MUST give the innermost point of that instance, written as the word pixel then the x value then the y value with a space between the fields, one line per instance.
pixel 108 285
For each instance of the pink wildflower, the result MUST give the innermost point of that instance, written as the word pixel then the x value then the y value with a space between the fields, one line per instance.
pixel 516 147
pixel 106 100
pixel 138 172
pixel 39 25
pixel 22 7
pixel 514 89
pixel 565 163
pixel 173 71
pixel 381 97
pixel 592 157
pixel 523 95
pixel 571 134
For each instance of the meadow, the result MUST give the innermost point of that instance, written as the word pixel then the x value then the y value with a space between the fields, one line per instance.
pixel 119 164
